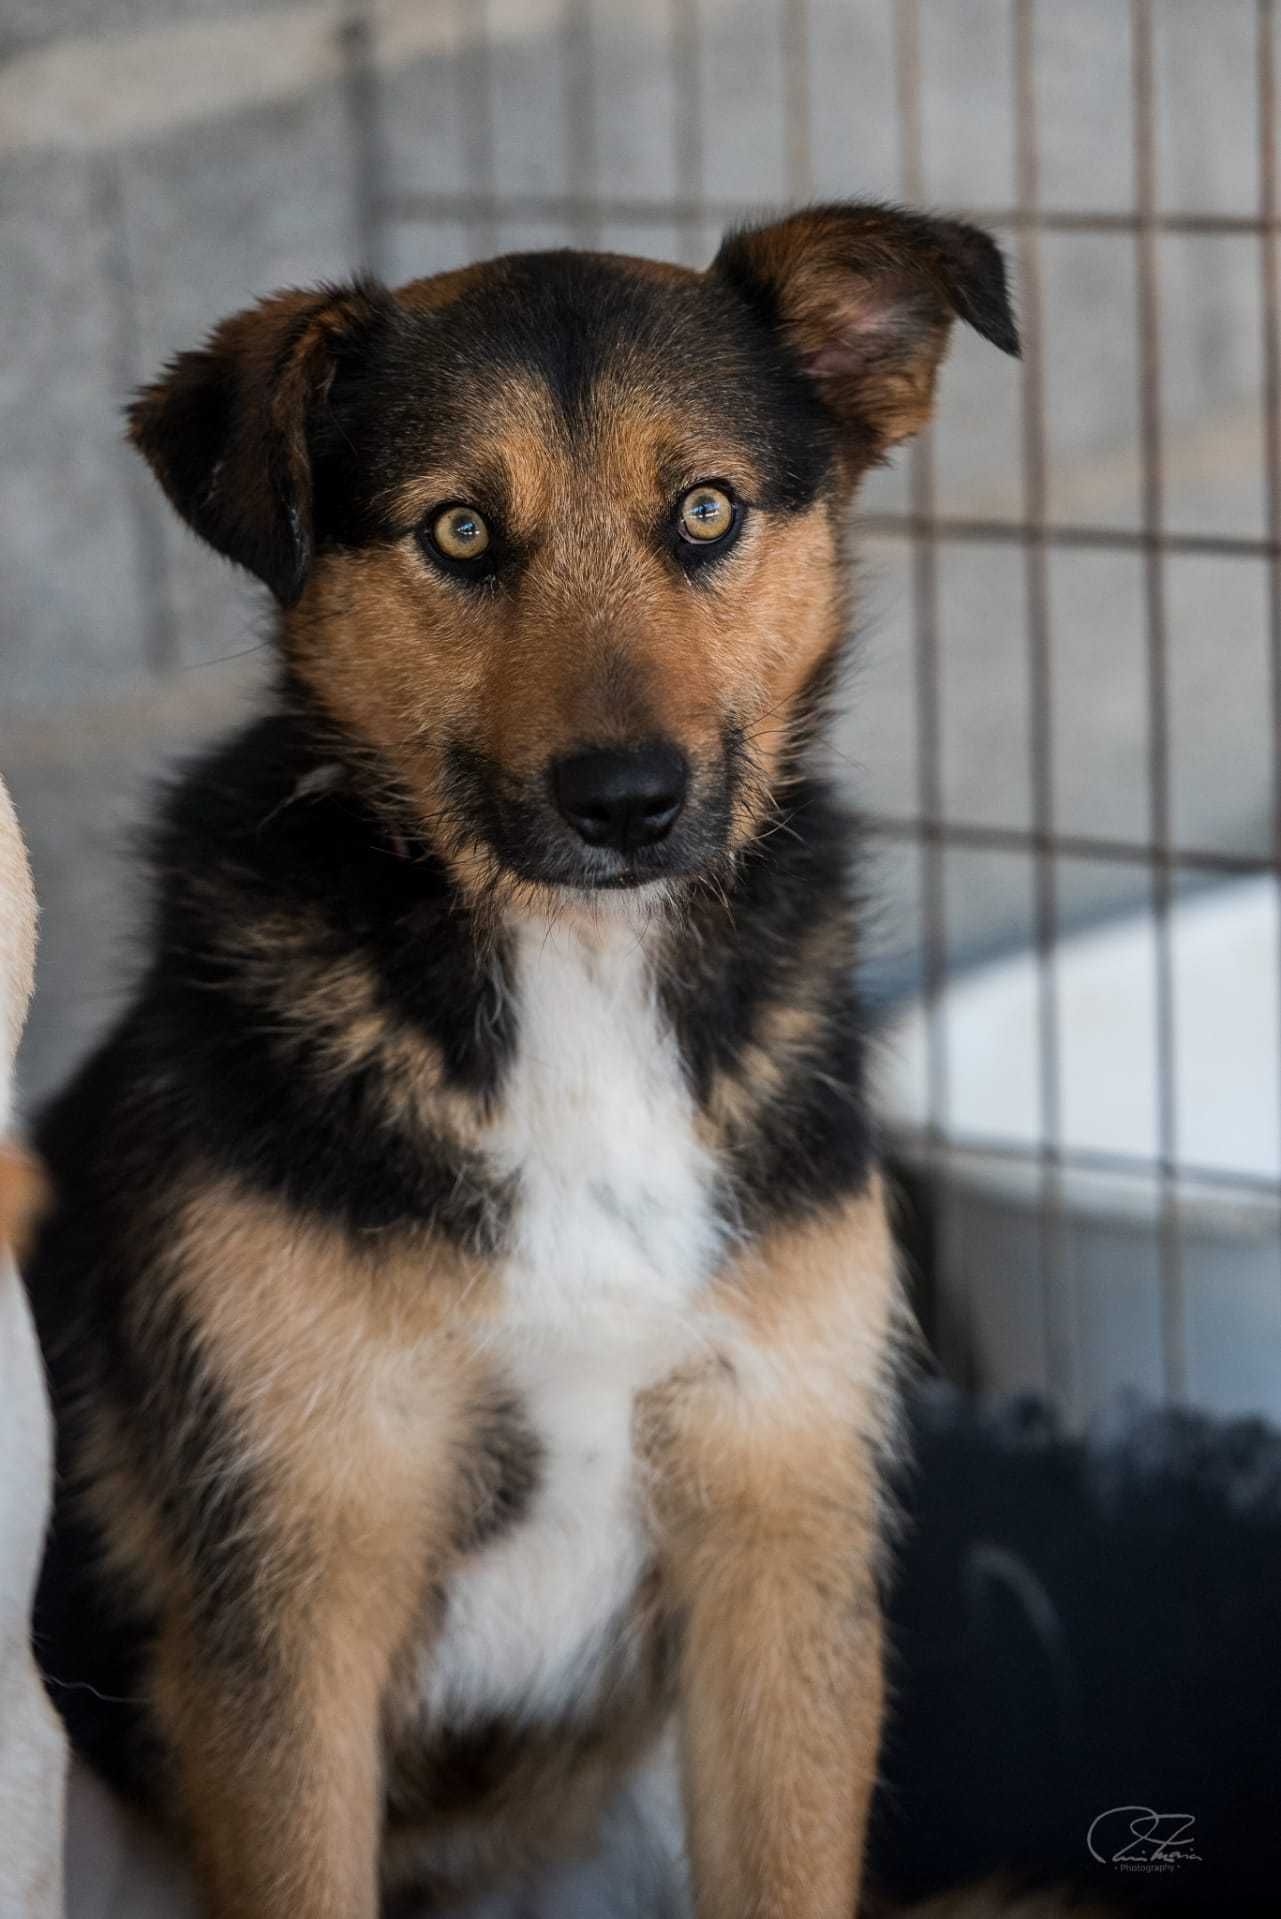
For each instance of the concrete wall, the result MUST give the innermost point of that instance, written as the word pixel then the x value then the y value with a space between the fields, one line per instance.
pixel 163 161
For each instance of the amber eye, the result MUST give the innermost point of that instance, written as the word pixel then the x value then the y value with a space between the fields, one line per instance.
pixel 460 533
pixel 706 514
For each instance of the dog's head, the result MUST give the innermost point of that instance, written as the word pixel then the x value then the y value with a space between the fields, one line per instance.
pixel 557 538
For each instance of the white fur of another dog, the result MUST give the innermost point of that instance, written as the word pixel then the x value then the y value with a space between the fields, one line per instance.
pixel 32 1750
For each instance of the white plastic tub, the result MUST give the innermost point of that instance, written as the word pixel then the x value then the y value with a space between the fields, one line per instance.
pixel 1105 1323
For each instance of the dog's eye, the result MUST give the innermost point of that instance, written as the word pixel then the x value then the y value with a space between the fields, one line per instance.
pixel 706 514
pixel 460 533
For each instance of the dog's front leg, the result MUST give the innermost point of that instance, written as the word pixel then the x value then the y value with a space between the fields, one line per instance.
pixel 278 1776
pixel 781 1712
pixel 766 1499
pixel 271 1683
pixel 272 1703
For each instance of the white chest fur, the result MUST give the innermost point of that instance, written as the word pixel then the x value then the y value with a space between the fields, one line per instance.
pixel 614 1235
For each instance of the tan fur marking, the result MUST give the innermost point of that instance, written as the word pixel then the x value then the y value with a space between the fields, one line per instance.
pixel 823 1297
pixel 516 426
pixel 784 1035
pixel 320 1341
pixel 284 1815
pixel 787 1033
pixel 764 1484
pixel 332 1009
pixel 349 1400
pixel 23 1198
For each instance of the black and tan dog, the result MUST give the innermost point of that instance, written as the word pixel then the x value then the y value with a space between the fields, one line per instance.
pixel 469 1298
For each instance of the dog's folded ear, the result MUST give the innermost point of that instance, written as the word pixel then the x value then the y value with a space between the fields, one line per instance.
pixel 865 296
pixel 226 428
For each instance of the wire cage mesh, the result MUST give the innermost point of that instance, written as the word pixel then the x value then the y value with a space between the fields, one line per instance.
pixel 1064 723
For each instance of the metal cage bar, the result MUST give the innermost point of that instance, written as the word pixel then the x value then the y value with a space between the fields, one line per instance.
pixel 1052 1275
pixel 639 211
pixel 1265 55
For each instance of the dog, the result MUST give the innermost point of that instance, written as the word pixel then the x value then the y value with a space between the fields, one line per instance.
pixel 32 1746
pixel 469 1296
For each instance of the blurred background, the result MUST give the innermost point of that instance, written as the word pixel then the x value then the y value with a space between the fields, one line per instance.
pixel 1063 717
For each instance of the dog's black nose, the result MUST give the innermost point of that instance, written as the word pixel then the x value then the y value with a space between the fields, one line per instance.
pixel 622 797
